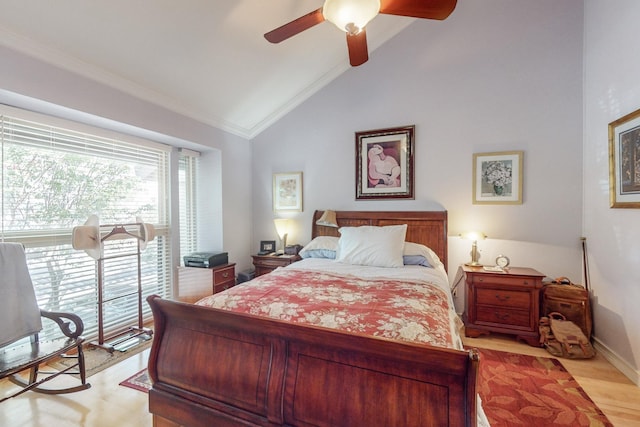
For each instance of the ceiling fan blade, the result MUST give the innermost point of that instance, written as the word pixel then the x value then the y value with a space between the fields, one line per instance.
pixel 428 9
pixel 358 52
pixel 294 27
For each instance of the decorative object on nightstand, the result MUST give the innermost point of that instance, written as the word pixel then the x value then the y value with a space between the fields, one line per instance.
pixel 474 236
pixel 503 262
pixel 292 249
pixel 282 228
pixel 505 302
pixel 267 247
pixel 267 263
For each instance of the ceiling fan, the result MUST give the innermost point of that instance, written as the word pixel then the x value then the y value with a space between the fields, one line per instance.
pixel 351 16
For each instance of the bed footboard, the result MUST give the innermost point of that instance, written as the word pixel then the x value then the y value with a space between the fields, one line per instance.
pixel 215 367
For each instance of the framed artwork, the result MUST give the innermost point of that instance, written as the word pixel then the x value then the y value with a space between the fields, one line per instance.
pixel 624 161
pixel 497 178
pixel 384 163
pixel 267 247
pixel 287 191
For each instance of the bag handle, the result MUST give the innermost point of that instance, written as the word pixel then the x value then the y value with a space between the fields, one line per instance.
pixel 562 280
pixel 557 316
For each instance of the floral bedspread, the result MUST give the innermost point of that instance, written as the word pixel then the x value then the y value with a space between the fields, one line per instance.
pixel 396 309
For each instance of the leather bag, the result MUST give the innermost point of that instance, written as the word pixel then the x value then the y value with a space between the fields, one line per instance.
pixel 571 300
pixel 563 338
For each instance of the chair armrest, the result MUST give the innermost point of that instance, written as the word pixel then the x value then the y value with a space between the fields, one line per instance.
pixel 63 324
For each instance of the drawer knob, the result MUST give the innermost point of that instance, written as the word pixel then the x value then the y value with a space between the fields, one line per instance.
pixel 225 274
pixel 502 316
pixel 502 297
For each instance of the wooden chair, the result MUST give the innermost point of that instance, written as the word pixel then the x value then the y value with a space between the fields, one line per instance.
pixel 20 317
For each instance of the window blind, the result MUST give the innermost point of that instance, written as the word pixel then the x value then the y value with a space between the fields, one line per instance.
pixel 187 177
pixel 53 178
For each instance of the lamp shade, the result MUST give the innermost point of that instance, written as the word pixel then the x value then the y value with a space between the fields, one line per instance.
pixel 473 235
pixel 282 227
pixel 350 15
pixel 328 219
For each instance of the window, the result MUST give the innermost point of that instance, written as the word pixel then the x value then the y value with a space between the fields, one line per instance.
pixel 54 175
pixel 187 174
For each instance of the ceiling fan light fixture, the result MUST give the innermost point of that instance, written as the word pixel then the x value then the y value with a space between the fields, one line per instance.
pixel 350 16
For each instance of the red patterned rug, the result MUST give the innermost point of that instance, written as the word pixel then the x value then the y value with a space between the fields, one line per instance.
pixel 140 381
pixel 520 390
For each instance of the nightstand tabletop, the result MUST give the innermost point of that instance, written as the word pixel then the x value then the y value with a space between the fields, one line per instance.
pixel 511 271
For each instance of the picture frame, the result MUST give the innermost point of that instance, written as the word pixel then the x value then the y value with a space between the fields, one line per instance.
pixel 385 163
pixel 497 178
pixel 624 161
pixel 287 192
pixel 267 247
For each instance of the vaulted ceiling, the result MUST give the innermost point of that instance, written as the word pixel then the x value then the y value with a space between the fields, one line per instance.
pixel 205 59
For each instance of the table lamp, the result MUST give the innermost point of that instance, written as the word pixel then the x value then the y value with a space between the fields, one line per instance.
pixel 282 228
pixel 474 236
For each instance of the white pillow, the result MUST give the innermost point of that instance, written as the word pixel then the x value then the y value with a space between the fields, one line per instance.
pixel 320 247
pixel 370 245
pixel 412 249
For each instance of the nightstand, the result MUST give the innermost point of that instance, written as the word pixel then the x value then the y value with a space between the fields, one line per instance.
pixel 195 283
pixel 506 302
pixel 224 277
pixel 267 263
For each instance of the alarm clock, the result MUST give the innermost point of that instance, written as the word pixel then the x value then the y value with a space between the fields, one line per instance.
pixel 502 261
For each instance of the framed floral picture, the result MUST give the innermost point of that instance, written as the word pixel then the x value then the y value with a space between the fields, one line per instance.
pixel 497 178
pixel 624 161
pixel 287 191
pixel 384 163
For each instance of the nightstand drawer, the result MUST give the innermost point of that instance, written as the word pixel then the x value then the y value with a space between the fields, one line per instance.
pixel 503 280
pixel 223 286
pixel 501 297
pixel 223 275
pixel 503 316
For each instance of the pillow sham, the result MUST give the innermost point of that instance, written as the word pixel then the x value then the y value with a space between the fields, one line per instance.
pixel 415 260
pixel 416 249
pixel 371 245
pixel 320 247
pixel 413 253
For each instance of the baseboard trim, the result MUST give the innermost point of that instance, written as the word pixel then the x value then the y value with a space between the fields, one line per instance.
pixel 617 361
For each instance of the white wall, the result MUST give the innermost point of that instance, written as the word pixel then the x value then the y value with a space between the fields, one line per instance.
pixel 611 90
pixel 29 83
pixel 497 75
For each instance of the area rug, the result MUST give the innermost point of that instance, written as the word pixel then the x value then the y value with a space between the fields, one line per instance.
pixel 521 390
pixel 97 358
pixel 140 381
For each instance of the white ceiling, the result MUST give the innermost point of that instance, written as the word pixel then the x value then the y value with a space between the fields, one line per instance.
pixel 206 59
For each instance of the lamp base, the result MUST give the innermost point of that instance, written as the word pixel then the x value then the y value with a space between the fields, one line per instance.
pixel 473 264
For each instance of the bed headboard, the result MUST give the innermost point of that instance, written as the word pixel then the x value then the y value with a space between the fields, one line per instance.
pixel 425 227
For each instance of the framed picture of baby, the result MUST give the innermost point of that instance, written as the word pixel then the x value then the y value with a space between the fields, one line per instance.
pixel 384 163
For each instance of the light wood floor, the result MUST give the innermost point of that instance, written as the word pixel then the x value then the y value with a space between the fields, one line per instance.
pixel 107 404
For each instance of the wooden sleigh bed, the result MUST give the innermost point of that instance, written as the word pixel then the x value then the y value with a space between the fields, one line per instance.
pixel 212 367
